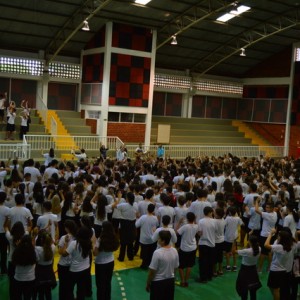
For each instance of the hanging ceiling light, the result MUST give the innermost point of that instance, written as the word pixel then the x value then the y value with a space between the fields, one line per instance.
pixel 174 40
pixel 85 26
pixel 243 52
pixel 234 9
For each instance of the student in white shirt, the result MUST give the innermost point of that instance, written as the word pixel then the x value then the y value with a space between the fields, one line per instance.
pixel 254 223
pixel 104 260
pixel 10 126
pixel 33 171
pixel 45 278
pixel 232 222
pixel 291 219
pixel 269 220
pixel 79 251
pixel 147 224
pixel 248 280
pixel 160 281
pixel 4 216
pixel 81 155
pixel 48 221
pixel 64 262
pixel 128 212
pixel 165 226
pixel 197 207
pixel 48 156
pixel 207 232
pixel 219 242
pixel 24 259
pixel 21 213
pixel 23 127
pixel 166 209
pixel 282 251
pixel 188 248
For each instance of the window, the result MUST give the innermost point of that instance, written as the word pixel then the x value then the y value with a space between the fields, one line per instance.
pixel 126 117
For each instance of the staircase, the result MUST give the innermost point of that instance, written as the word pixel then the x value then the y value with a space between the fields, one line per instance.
pixel 74 124
pixel 256 138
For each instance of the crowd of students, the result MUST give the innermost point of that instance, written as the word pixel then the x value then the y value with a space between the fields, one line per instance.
pixel 168 209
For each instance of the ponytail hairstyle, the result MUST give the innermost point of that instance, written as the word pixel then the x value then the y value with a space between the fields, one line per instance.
pixel 46 242
pixel 254 244
pixel 291 208
pixel 130 198
pixel 17 232
pixel 286 240
pixel 67 203
pixel 101 203
pixel 84 242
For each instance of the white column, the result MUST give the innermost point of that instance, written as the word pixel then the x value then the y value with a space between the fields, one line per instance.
pixel 289 106
pixel 102 124
pixel 185 105
pixel 151 89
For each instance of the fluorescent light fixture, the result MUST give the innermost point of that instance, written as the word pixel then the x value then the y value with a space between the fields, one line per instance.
pixel 143 2
pixel 243 52
pixel 85 26
pixel 174 40
pixel 233 13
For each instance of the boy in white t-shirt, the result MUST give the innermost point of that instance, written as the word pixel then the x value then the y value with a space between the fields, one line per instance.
pixel 207 232
pixel 188 248
pixel 269 220
pixel 232 222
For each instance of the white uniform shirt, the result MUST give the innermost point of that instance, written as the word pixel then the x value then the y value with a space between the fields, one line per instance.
pixel 269 221
pixel 78 263
pixel 207 228
pixel 164 262
pixel 188 240
pixel 148 224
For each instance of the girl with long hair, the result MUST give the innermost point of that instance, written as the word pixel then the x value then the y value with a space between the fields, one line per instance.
pixel 102 210
pixel 291 219
pixel 24 259
pixel 128 212
pixel 38 200
pixel 248 280
pixel 69 208
pixel 104 247
pixel 45 278
pixel 64 262
pixel 13 236
pixel 282 253
pixel 80 261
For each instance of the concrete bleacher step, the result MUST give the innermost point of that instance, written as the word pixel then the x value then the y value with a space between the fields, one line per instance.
pixel 194 121
pixel 78 130
pixel 190 131
pixel 73 123
pixel 203 133
pixel 68 114
pixel 197 126
pixel 214 139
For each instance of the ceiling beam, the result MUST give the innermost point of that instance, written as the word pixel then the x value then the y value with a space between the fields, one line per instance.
pixel 247 38
pixel 191 17
pixel 89 8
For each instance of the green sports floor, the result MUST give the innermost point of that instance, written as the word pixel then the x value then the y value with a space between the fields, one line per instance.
pixel 129 284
